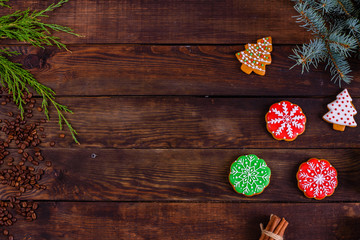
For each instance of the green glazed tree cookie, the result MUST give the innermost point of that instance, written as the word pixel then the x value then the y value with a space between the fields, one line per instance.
pixel 249 175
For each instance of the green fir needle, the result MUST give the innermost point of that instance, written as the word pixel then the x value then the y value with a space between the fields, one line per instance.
pixel 335 25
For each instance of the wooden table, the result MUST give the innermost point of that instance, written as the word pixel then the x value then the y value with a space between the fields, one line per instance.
pixel 160 99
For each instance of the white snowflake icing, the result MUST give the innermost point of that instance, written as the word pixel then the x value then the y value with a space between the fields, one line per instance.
pixel 288 120
pixel 319 178
pixel 250 174
pixel 280 129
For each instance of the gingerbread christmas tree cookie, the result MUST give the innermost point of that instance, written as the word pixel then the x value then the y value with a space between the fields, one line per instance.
pixel 341 112
pixel 285 121
pixel 256 56
pixel 317 178
pixel 249 175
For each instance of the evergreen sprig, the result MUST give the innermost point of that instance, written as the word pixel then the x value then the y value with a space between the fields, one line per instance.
pixel 2 4
pixel 335 25
pixel 26 26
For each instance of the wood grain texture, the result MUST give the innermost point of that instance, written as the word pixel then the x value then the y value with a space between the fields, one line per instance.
pixel 173 70
pixel 162 155
pixel 181 175
pixel 192 122
pixel 173 21
pixel 69 220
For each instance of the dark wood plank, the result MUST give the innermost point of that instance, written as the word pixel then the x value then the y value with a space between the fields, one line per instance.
pixel 173 70
pixel 193 122
pixel 181 175
pixel 173 21
pixel 188 221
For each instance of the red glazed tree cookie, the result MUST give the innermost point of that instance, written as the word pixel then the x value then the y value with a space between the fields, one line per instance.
pixel 317 178
pixel 285 121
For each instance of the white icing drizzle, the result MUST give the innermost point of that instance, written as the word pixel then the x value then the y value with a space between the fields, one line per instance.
pixel 253 51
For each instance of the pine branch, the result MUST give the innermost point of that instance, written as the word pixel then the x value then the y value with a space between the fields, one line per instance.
pixel 16 79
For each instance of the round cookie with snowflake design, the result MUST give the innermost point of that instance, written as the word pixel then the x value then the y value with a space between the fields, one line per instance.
pixel 285 121
pixel 317 178
pixel 249 175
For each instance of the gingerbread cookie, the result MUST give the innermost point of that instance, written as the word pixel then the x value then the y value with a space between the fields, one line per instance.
pixel 256 56
pixel 249 175
pixel 317 178
pixel 285 121
pixel 341 112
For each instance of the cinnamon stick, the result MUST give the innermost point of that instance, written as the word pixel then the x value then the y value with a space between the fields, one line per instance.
pixel 276 227
pixel 280 227
pixel 274 221
pixel 282 230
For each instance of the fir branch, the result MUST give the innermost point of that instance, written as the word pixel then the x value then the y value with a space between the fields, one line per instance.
pixel 16 79
pixel 309 54
pixel 311 19
pixel 339 68
pixel 342 44
pixel 334 23
pixel 346 7
pixel 326 6
pixel 336 7
pixel 353 25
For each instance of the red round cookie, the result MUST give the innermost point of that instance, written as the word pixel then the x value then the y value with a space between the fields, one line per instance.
pixel 317 178
pixel 285 121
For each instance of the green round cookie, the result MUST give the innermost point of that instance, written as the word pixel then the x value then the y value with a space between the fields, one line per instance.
pixel 249 175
